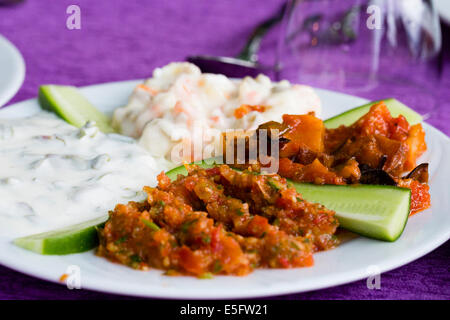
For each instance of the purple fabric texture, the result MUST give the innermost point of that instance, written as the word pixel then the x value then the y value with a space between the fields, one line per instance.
pixel 127 39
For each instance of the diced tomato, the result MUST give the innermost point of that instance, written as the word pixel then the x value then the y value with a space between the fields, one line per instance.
pixel 420 196
pixel 258 225
pixel 213 171
pixel 163 180
pixel 304 261
pixel 287 167
pixel 284 262
pixel 190 183
pixel 216 246
pixel 191 261
pixel 376 121
pixel 398 128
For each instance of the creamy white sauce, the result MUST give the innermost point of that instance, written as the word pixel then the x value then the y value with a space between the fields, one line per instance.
pixel 180 102
pixel 53 174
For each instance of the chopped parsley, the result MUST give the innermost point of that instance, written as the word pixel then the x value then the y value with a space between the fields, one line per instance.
pixel 273 184
pixel 206 275
pixel 150 224
pixel 121 240
pixel 185 226
pixel 294 245
pixel 206 239
pixel 135 258
pixel 217 266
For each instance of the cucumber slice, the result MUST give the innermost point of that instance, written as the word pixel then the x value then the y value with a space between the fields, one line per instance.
pixel 72 239
pixel 374 211
pixel 69 104
pixel 395 107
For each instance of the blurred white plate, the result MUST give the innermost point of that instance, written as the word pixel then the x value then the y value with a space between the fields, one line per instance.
pixel 443 8
pixel 351 261
pixel 12 70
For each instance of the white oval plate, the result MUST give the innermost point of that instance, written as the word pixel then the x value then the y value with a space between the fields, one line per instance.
pixel 443 8
pixel 351 261
pixel 12 72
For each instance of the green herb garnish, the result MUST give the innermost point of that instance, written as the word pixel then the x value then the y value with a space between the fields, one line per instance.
pixel 185 226
pixel 273 185
pixel 206 239
pixel 150 224
pixel 294 245
pixel 135 258
pixel 121 240
pixel 217 266
pixel 206 275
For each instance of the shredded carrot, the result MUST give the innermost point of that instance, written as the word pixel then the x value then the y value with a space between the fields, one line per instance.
pixel 64 277
pixel 178 108
pixel 148 89
pixel 246 108
pixel 188 91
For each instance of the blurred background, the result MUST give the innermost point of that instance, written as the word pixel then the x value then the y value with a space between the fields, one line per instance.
pixel 373 49
pixel 370 48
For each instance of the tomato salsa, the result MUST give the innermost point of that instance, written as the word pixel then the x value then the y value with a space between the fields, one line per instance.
pixel 218 221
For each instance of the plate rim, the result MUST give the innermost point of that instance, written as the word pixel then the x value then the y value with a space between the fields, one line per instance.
pixel 348 277
pixel 17 79
pixel 443 11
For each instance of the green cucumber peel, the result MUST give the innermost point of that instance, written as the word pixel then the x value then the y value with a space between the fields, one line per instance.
pixel 69 104
pixel 395 107
pixel 72 239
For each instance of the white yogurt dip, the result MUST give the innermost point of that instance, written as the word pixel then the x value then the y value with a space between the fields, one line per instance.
pixel 53 174
pixel 179 101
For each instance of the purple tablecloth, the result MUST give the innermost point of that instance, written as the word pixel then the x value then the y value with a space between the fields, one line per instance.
pixel 124 39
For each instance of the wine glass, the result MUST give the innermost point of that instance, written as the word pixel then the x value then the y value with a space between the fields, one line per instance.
pixel 375 49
